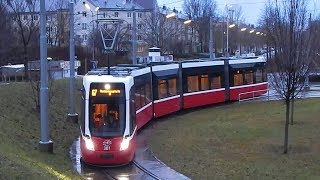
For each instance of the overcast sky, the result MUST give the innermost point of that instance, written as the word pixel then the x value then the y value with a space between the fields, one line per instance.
pixel 251 9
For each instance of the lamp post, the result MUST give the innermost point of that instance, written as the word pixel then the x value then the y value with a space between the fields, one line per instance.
pixel 45 145
pixel 92 15
pixel 72 115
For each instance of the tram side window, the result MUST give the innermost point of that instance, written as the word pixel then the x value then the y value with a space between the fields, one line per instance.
pixel 142 96
pixel 148 93
pixel 248 76
pixel 137 98
pixel 204 82
pixel 83 106
pixel 215 82
pixel 238 79
pixel 162 89
pixel 259 76
pixel 193 83
pixel 132 111
pixel 264 75
pixel 172 84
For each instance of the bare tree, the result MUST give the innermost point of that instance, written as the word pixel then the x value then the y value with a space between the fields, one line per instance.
pixel 200 12
pixel 286 23
pixel 26 18
pixel 162 32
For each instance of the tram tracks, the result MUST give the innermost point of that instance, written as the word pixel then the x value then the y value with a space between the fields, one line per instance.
pixel 131 171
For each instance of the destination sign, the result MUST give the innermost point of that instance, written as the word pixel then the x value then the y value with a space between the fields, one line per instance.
pixel 110 92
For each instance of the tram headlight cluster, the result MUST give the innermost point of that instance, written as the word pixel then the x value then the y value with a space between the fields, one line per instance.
pixel 124 144
pixel 89 144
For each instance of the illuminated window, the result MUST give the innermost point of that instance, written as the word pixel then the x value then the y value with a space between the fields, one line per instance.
pixel 216 82
pixel 204 82
pixel 238 79
pixel 248 77
pixel 193 83
pixel 140 49
pixel 259 76
pixel 162 89
pixel 172 83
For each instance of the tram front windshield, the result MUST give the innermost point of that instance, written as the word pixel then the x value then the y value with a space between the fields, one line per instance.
pixel 107 112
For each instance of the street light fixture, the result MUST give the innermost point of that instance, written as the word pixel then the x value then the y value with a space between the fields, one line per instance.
pixel 243 29
pixel 187 21
pixel 232 25
pixel 257 33
pixel 87 6
pixel 171 15
pixel 252 31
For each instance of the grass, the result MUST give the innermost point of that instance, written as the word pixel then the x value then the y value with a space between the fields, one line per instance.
pixel 20 135
pixel 241 141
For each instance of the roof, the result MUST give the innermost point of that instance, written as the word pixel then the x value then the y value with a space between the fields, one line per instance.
pixel 16 66
pixel 116 4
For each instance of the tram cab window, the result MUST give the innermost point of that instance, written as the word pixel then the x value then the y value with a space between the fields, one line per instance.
pixel 137 98
pixel 264 75
pixel 259 76
pixel 132 111
pixel 142 96
pixel 172 84
pixel 162 89
pixel 193 83
pixel 107 119
pixel 204 82
pixel 238 79
pixel 248 76
pixel 215 82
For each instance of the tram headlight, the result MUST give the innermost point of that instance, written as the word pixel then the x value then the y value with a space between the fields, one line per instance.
pixel 124 144
pixel 89 144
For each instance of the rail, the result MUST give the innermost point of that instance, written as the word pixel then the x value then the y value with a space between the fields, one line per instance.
pixel 253 95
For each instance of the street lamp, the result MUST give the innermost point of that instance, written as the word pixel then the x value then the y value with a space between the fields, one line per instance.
pixel 252 31
pixel 232 25
pixel 96 9
pixel 173 14
pixel 187 21
pixel 243 29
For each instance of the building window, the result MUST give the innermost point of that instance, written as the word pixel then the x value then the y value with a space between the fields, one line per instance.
pixel 84 25
pixel 238 79
pixel 193 83
pixel 139 38
pixel 25 17
pixel 84 37
pixel 130 37
pixel 129 26
pixel 129 15
pixel 139 26
pixel 172 84
pixel 204 82
pixel 48 17
pixel 162 89
pixel 259 76
pixel 104 15
pixel 116 14
pixel 140 49
pixel 35 17
pixel 216 82
pixel 139 15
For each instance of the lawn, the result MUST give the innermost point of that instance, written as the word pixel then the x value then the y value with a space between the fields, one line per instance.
pixel 20 134
pixel 241 141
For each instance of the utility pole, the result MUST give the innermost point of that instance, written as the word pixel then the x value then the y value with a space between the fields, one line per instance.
pixel 134 37
pixel 211 38
pixel 45 145
pixel 73 116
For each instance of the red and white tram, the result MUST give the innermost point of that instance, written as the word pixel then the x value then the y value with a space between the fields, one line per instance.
pixel 115 106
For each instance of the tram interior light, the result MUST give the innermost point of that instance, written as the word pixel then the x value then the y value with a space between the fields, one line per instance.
pixel 107 86
pixel 124 144
pixel 89 144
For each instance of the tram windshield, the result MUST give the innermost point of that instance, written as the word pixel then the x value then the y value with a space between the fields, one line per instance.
pixel 107 113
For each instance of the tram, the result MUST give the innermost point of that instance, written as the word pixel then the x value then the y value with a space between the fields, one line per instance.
pixel 118 101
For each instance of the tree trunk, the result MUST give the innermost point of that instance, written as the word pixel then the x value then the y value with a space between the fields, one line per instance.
pixel 286 129
pixel 292 109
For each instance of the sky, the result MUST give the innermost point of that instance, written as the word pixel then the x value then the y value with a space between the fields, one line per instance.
pixel 251 9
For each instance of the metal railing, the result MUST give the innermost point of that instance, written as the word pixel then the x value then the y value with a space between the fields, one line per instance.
pixel 254 96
